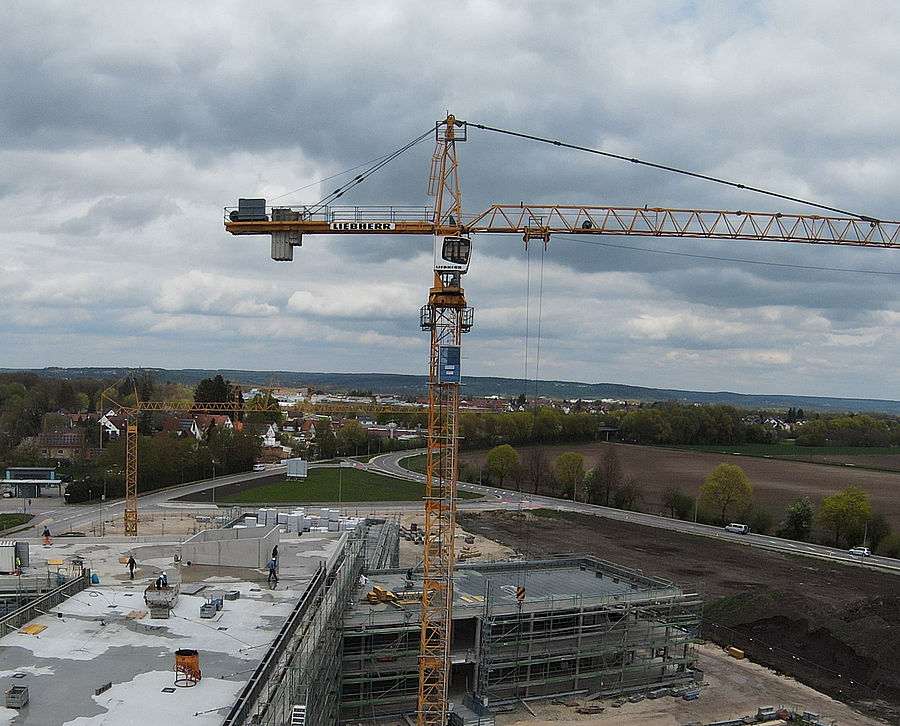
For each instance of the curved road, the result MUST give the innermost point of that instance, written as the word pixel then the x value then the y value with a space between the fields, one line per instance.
pixel 53 512
pixel 389 464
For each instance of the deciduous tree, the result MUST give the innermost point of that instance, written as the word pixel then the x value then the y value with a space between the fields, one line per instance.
pixel 726 491
pixel 798 520
pixel 677 503
pixel 351 437
pixel 845 511
pixel 605 477
pixel 501 462
pixel 569 470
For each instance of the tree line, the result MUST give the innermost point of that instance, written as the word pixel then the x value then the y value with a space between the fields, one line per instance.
pixel 843 519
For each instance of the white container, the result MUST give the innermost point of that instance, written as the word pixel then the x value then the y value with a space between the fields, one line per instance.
pixel 250 521
pixel 7 556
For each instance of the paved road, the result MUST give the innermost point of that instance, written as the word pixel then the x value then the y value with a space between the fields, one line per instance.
pixel 496 498
pixel 54 513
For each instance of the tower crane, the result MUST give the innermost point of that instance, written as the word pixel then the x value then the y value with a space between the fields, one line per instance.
pixel 131 412
pixel 446 316
pixel 235 408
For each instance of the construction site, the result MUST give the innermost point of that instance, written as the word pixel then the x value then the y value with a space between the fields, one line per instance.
pixel 335 638
pixel 347 632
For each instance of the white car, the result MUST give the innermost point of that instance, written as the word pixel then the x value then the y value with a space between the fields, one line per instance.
pixel 861 551
pixel 259 467
pixel 737 528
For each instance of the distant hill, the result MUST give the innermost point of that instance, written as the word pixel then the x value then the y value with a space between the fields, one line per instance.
pixel 473 386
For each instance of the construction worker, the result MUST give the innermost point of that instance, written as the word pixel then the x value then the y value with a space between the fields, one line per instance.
pixel 131 565
pixel 47 539
pixel 273 576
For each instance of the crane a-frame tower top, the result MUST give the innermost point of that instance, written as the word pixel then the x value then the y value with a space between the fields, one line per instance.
pixel 446 315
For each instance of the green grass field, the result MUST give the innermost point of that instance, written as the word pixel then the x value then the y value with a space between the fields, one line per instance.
pixel 334 485
pixel 417 463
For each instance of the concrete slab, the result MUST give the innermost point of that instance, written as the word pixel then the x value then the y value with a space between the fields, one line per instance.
pixel 99 661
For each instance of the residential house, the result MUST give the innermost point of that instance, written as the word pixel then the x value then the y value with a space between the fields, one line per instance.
pixel 112 425
pixel 183 427
pixel 207 421
pixel 68 445
pixel 267 432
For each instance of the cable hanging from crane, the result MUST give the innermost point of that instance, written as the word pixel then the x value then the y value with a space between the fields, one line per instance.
pixel 675 170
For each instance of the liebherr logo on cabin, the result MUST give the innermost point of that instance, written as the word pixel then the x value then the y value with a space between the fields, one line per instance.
pixel 362 226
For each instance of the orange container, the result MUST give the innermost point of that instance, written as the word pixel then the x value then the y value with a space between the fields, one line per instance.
pixel 187 667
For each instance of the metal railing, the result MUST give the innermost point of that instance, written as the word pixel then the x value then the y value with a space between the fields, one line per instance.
pixel 43 604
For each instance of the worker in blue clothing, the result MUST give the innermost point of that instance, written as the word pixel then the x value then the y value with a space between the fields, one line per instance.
pixel 273 576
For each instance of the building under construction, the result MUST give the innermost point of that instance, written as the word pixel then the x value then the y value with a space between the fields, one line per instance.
pixel 521 630
pixel 336 637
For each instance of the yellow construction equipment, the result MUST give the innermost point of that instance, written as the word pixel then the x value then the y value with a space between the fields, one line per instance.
pixel 446 316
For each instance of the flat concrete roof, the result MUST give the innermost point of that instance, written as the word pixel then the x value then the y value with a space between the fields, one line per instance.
pixel 99 637
pixel 547 584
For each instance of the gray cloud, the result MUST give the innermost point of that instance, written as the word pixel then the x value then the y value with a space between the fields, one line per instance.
pixel 126 130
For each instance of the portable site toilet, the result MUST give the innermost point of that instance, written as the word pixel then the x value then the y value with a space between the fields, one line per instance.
pixel 22 553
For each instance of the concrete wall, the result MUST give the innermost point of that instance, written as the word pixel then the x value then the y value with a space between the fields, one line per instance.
pixel 248 547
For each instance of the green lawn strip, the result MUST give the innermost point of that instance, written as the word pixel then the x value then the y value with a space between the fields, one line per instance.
pixel 8 521
pixel 325 485
pixel 417 463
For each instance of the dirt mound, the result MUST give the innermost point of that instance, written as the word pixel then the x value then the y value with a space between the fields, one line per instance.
pixel 834 627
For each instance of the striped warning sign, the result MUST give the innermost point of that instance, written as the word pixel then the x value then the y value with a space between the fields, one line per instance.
pixel 520 593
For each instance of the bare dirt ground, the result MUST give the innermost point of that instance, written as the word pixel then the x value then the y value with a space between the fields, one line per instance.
pixel 832 626
pixel 732 689
pixel 177 522
pixel 775 483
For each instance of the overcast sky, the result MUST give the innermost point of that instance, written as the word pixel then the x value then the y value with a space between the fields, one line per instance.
pixel 125 128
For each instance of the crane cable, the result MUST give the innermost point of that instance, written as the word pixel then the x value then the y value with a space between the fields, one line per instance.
pixel 675 170
pixel 540 302
pixel 362 176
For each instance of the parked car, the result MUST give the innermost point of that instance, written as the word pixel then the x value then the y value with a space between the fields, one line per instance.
pixel 860 551
pixel 737 527
pixel 259 467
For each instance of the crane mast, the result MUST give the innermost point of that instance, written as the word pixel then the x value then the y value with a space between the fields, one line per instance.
pixel 446 316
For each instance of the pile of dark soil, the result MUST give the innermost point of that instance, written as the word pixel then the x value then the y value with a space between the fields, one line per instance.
pixel 833 626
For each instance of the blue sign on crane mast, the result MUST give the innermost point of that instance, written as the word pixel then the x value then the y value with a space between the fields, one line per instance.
pixel 448 364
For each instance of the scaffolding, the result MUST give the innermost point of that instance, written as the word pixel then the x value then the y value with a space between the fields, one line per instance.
pixel 300 672
pixel 630 634
pixel 601 647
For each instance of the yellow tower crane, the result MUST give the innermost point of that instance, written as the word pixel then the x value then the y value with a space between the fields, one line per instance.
pixel 131 413
pixel 447 316
pixel 235 408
